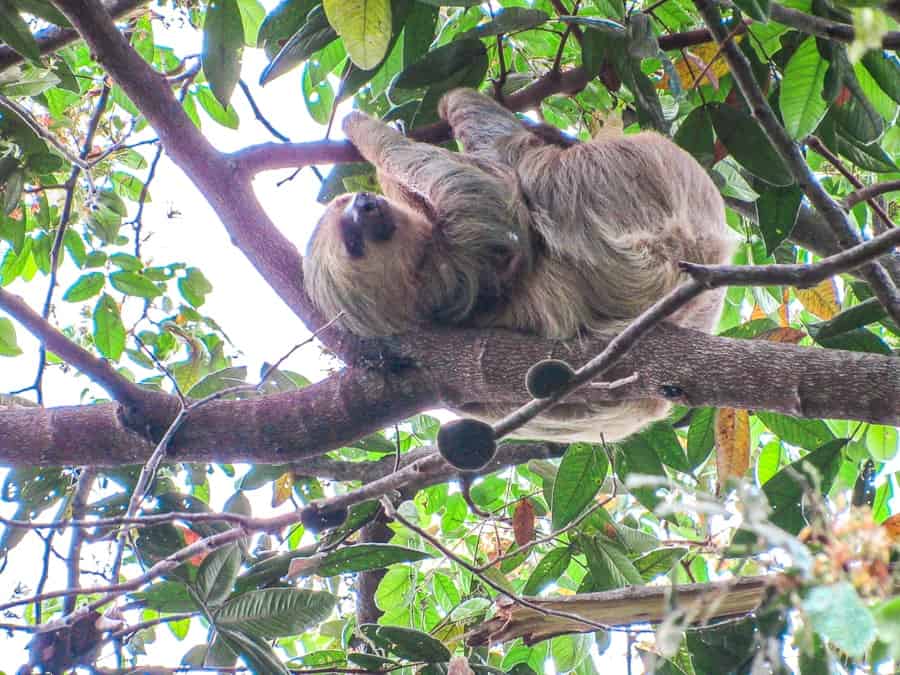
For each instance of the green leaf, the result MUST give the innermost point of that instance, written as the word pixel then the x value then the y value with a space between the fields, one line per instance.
pixel 581 473
pixel 837 614
pixel 871 157
pixel 406 643
pixel 701 436
pixel 227 117
pixel 10 191
pixel 109 331
pixel 856 340
pixel 609 564
pixel 885 70
pixel 549 568
pixel 860 315
pixel 282 22
pixel 194 286
pixel 364 26
pixel 778 208
pixel 756 9
pixel 275 612
pixel 695 135
pixel 635 456
pixel 217 574
pixel 8 344
pixel 418 32
pixel 223 46
pixel 167 596
pixel 126 262
pixel 662 438
pixel 786 488
pixel 749 145
pixel 231 376
pixel 319 98
pixel 804 433
pixel 360 557
pixel 881 441
pixel 86 286
pixel 441 64
pixel 134 283
pixel 44 10
pixel 857 120
pixel 508 20
pixel 15 32
pixel 313 35
pixel 800 95
pixel 658 561
pixel 256 653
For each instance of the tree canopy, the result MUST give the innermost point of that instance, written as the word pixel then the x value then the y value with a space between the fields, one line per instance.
pixel 199 516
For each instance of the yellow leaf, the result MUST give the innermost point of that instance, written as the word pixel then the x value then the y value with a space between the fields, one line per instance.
pixel 784 312
pixel 698 58
pixel 365 27
pixel 732 444
pixel 757 313
pixel 820 300
pixel 282 488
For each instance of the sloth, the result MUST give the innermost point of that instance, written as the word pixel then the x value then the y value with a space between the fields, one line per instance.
pixel 519 231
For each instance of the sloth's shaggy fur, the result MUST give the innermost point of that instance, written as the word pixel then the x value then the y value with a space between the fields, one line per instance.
pixel 520 233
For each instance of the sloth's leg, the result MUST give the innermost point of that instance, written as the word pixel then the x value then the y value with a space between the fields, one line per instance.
pixel 477 120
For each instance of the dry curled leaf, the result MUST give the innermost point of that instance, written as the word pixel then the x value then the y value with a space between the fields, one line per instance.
pixel 282 488
pixel 523 522
pixel 782 334
pixel 732 444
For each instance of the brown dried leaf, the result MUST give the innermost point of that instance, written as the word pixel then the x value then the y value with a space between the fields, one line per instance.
pixel 783 334
pixel 732 444
pixel 523 522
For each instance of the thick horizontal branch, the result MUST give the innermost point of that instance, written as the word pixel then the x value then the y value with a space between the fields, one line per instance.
pixel 698 603
pixel 463 367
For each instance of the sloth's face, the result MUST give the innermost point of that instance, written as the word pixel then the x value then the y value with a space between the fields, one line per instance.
pixel 362 260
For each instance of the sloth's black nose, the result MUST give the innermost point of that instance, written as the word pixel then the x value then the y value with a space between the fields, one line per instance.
pixel 365 202
pixel 372 216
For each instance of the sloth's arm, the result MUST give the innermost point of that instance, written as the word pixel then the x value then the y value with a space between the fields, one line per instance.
pixel 477 120
pixel 419 167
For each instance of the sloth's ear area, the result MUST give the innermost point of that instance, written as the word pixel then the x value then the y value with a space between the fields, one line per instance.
pixel 510 269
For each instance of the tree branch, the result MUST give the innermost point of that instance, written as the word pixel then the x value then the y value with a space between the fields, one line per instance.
pixel 56 37
pixel 832 30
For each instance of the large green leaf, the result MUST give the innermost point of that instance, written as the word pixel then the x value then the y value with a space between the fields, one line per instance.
pixel 313 35
pixel 109 331
pixel 609 564
pixel 548 569
pixel 256 652
pixel 804 433
pixel 885 70
pixel 406 643
pixel 777 208
pixel 509 20
pixel 216 575
pixel 86 286
pixel 748 144
pixel 800 95
pixel 701 436
pixel 441 64
pixel 134 283
pixel 579 478
pixel 786 488
pixel 223 46
pixel 364 26
pixel 360 557
pixel 281 23
pixel 275 612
